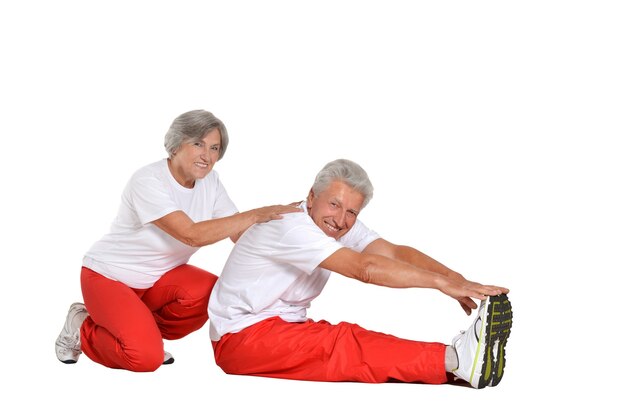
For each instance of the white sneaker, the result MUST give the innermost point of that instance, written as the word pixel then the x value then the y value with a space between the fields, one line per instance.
pixel 67 345
pixel 480 349
pixel 168 359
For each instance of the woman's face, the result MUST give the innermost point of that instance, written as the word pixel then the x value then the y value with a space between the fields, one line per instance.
pixel 194 160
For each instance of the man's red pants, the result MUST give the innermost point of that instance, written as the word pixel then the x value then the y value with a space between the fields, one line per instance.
pixel 320 351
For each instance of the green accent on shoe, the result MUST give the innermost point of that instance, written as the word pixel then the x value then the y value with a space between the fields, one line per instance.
pixel 476 356
pixel 486 376
pixel 500 369
pixel 488 355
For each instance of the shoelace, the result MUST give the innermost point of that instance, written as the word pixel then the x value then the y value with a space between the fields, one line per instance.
pixel 457 337
pixel 71 342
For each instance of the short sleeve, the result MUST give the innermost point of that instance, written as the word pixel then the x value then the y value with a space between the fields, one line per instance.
pixel 359 237
pixel 149 198
pixel 304 247
pixel 223 206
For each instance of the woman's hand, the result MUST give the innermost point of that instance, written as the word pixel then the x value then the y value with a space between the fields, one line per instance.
pixel 265 214
pixel 181 227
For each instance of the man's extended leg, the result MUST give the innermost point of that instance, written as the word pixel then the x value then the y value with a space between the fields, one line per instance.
pixel 320 351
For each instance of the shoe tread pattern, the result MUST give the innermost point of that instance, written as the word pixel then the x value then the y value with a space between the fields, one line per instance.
pixel 498 327
pixel 500 331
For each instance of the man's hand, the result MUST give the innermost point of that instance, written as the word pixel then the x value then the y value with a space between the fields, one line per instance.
pixel 462 290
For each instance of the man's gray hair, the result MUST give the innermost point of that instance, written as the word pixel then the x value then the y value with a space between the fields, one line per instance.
pixel 348 172
pixel 193 126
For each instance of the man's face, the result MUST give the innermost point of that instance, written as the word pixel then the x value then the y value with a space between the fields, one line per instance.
pixel 335 209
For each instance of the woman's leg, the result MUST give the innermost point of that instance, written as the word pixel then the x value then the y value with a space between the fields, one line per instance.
pixel 179 300
pixel 120 331
pixel 319 351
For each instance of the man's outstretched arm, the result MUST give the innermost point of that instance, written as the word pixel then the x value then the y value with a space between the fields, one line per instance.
pixel 407 254
pixel 388 272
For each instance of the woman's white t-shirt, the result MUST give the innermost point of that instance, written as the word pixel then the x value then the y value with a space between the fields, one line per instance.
pixel 135 251
pixel 273 270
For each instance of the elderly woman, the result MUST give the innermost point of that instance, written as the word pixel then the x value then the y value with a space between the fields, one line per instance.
pixel 137 286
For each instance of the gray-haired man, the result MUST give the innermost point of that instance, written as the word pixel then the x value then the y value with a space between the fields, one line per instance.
pixel 258 306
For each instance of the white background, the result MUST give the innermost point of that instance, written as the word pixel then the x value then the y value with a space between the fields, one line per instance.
pixel 492 132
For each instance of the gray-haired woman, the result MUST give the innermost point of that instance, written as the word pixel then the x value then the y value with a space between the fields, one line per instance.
pixel 137 286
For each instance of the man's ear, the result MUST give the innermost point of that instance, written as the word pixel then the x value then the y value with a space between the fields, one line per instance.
pixel 309 199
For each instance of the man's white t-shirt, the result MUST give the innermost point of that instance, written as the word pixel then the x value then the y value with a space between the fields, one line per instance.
pixel 273 270
pixel 135 251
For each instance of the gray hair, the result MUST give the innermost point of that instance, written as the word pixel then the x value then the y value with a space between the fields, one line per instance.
pixel 192 126
pixel 348 172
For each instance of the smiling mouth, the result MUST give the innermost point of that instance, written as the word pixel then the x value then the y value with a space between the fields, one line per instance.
pixel 201 165
pixel 331 228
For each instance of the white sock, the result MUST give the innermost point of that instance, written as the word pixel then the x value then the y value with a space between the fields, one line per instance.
pixel 452 359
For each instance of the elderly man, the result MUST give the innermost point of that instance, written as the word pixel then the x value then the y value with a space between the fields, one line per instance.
pixel 258 307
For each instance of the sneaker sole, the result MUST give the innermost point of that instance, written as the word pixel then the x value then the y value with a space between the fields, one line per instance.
pixel 500 329
pixel 494 333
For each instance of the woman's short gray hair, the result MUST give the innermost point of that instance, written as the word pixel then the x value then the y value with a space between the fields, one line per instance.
pixel 192 126
pixel 348 172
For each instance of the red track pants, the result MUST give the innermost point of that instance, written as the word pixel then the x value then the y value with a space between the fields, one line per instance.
pixel 320 351
pixel 126 326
